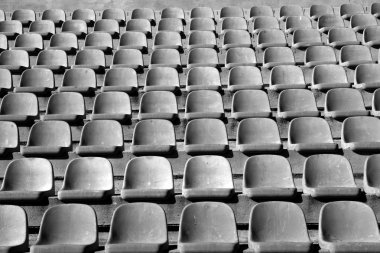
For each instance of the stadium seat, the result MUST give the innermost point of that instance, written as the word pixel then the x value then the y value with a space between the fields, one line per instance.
pixel 328 21
pixel 344 102
pixel 304 38
pixel 66 41
pixel 5 80
pixel 375 9
pixel 133 40
pixel 206 136
pixel 116 14
pixel 87 179
pixel 236 38
pixel 202 24
pixel 201 57
pixel 348 226
pixel 101 137
pixel 113 105
pixel 27 180
pixel 10 28
pixel 14 227
pixel 202 39
pixel 99 40
pixel 48 138
pixel 290 10
pixel 371 36
pixel 204 104
pixel 348 10
pixel 264 234
pixel 69 228
pixel 286 77
pixel 310 134
pixel 203 78
pixel 274 56
pixel 25 16
pixel 244 78
pixel 45 28
pixel 173 12
pixel 3 42
pixel 58 16
pixel 250 104
pixel 328 176
pixel 359 22
pixel 55 60
pixel 240 57
pixel 147 178
pixel 140 25
pixel 294 23
pixel 268 177
pixel 233 24
pixel 19 107
pixel 200 236
pixel 38 81
pixel 77 27
pixel 202 12
pixel 263 23
pixel 14 60
pixel 371 175
pixel 158 105
pixel 329 76
pixel 258 135
pixel 319 55
pixel 128 58
pixel 161 141
pixel 376 103
pixel 80 80
pixel 260 11
pixel 338 37
pixel 144 13
pixel 167 40
pixel 87 15
pixel 366 76
pixel 361 133
pixel 138 227
pixel 294 103
pixel 271 38
pixel 354 55
pixel 207 178
pixel 162 79
pixel 165 58
pixel 120 79
pixel 231 11
pixel 9 137
pixel 172 25
pixel 109 26
pixel 65 106
pixel 90 58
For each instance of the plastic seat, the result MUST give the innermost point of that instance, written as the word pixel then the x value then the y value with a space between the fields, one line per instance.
pixel 268 176
pixel 202 39
pixel 9 140
pixel 3 42
pixel 10 28
pixel 274 56
pixel 264 234
pixel 101 137
pixel 48 138
pixel 165 58
pixel 87 15
pixel 310 134
pixel 167 40
pixel 69 227
pixel 25 16
pixel 90 58
pixel 236 38
pixel 207 177
pixel 203 78
pixel 286 77
pixel 172 25
pixel 133 40
pixel 250 104
pixel 115 14
pixel 204 104
pixel 318 55
pixel 366 76
pixel 162 79
pixel 256 135
pixel 128 58
pixel 87 179
pixel 138 227
pixel 144 13
pixel 45 28
pixel 294 23
pixel 244 78
pixel 27 180
pixel 19 107
pixel 348 10
pixel 371 175
pixel 290 10
pixel 202 24
pixel 158 105
pixel 371 36
pixel 359 22
pixel 80 80
pixel 55 60
pixel 328 176
pixel 109 26
pixel 5 80
pixel 2 15
pixel 210 217
pixel 38 81
pixel 354 55
pixel 240 56
pixel 233 23
pixel 173 12
pixel 231 11
pixel 139 25
pixel 14 60
pixel 161 141
pixel 201 12
pixel 112 105
pixel 120 79
pixel 100 41
pixel 147 178
pixel 77 27
pixel 376 103
pixel 344 102
pixel 271 38
pixel 326 77
pixel 317 10
pixel 304 38
pixel 67 42
pixel 361 133
pixel 328 21
pixel 260 11
pixel 338 37
pixel 294 103
pixel 58 16
pixel 201 57
pixel 14 227
pixel 263 23
pixel 66 106
pixel 348 226
pixel 206 136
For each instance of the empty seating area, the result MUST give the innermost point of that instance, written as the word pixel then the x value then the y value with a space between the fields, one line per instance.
pixel 253 127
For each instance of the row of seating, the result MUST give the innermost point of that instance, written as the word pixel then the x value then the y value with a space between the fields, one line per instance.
pixel 344 225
